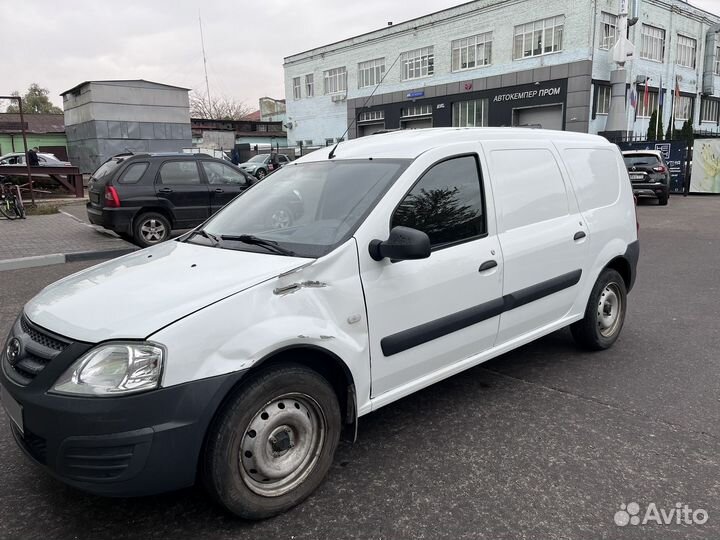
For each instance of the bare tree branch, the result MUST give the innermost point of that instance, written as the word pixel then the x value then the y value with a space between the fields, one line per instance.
pixel 217 108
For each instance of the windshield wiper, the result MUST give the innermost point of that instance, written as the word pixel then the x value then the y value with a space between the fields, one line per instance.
pixel 202 232
pixel 257 241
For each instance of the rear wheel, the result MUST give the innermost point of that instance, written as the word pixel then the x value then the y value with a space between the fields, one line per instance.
pixel 604 314
pixel 150 228
pixel 273 443
pixel 663 199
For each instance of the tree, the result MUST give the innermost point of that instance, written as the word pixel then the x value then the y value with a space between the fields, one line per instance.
pixel 35 101
pixel 687 132
pixel 217 108
pixel 651 128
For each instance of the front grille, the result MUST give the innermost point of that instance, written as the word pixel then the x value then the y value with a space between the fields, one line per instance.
pixel 39 348
pixel 97 463
pixel 42 338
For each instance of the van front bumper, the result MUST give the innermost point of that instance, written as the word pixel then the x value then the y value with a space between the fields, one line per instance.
pixel 121 446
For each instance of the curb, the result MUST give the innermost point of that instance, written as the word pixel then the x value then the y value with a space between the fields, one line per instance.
pixel 62 258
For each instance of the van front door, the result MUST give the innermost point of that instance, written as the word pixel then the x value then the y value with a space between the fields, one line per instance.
pixel 425 316
pixel 542 234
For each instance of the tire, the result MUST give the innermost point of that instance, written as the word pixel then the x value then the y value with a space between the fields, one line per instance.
pixel 663 199
pixel 260 174
pixel 598 331
pixel 8 213
pixel 281 217
pixel 273 442
pixel 150 228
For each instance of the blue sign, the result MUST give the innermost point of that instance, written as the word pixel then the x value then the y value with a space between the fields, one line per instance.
pixel 416 94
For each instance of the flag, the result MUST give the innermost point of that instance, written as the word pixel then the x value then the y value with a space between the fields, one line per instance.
pixel 661 95
pixel 633 99
pixel 677 87
pixel 646 97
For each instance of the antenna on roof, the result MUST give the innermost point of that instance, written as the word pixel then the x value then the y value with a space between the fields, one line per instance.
pixel 332 152
pixel 202 43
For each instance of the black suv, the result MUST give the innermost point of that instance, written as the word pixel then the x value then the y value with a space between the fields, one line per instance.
pixel 143 197
pixel 649 174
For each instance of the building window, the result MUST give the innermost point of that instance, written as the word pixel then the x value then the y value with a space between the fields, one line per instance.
pixel 608 30
pixel 652 43
pixel 683 108
pixel 470 113
pixel 716 69
pixel 418 63
pixel 472 52
pixel 371 73
pixel 309 85
pixel 603 99
pixel 686 51
pixel 643 111
pixel 539 37
pixel 335 80
pixel 416 110
pixel 370 116
pixel 709 110
pixel 262 127
pixel 296 88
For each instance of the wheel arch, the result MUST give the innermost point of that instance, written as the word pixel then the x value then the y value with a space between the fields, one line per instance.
pixel 622 266
pixel 157 209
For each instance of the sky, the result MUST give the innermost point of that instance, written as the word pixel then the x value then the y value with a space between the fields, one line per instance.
pixel 61 44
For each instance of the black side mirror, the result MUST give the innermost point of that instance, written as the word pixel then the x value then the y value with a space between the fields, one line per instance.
pixel 403 244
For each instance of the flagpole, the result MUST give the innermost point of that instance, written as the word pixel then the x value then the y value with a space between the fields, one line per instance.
pixel 657 116
pixel 672 117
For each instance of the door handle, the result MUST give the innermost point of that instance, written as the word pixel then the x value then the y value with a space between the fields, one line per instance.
pixel 579 235
pixel 165 190
pixel 487 265
pixel 219 190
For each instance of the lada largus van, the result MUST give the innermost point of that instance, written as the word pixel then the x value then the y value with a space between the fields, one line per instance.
pixel 238 353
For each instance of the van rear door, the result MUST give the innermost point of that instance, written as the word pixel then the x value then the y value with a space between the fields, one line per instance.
pixel 541 232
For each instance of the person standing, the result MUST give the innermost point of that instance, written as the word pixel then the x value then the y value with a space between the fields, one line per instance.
pixel 32 157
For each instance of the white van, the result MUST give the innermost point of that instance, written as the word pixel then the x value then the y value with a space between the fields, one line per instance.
pixel 237 353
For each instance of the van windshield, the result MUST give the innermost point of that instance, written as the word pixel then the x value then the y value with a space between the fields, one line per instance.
pixel 306 208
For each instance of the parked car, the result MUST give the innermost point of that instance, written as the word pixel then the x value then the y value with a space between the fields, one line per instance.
pixel 262 164
pixel 238 353
pixel 649 174
pixel 45 159
pixel 143 197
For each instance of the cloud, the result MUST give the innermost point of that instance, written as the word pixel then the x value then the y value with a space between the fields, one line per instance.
pixel 61 45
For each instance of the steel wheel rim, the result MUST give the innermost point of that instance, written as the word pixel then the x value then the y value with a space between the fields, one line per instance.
pixel 282 444
pixel 280 219
pixel 153 231
pixel 610 310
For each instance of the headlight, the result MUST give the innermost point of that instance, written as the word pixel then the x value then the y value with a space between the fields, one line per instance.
pixel 114 369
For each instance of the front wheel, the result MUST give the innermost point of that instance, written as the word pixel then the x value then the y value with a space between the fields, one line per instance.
pixel 273 443
pixel 604 314
pixel 260 174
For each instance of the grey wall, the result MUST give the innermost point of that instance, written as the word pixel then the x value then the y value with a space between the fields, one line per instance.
pixel 92 143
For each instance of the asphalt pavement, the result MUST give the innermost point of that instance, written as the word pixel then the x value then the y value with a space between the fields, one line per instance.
pixel 544 442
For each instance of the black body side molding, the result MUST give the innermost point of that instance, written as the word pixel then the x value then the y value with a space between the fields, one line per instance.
pixel 417 335
pixel 632 255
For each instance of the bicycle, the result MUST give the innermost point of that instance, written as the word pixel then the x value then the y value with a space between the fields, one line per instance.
pixel 11 204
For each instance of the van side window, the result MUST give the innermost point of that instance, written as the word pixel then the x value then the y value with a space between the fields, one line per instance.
pixel 133 173
pixel 530 187
pixel 446 203
pixel 179 173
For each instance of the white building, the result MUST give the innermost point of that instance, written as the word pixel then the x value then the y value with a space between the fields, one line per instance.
pixel 506 62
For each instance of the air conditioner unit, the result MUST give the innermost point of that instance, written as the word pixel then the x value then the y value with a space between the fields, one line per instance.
pixel 338 97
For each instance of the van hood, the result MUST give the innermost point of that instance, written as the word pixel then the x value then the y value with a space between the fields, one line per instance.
pixel 136 295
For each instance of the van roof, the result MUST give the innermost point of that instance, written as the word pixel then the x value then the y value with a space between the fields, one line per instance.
pixel 408 144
